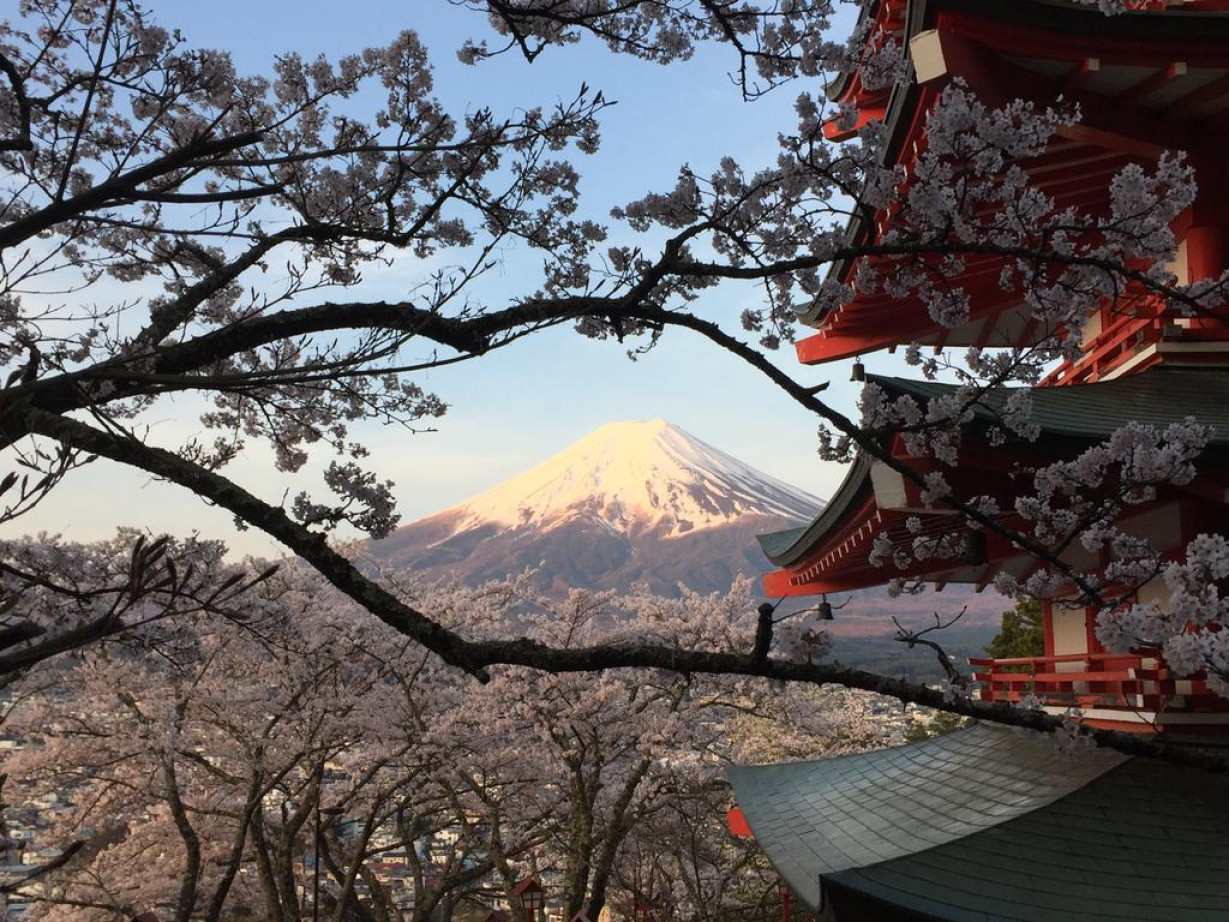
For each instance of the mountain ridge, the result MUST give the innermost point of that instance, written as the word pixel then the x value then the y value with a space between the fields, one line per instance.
pixel 633 476
pixel 644 502
pixel 632 502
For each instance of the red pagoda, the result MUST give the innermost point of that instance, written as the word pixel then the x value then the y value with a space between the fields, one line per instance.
pixel 947 829
pixel 1145 82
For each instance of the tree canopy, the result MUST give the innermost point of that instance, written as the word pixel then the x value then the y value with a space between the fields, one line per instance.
pixel 1022 632
pixel 132 157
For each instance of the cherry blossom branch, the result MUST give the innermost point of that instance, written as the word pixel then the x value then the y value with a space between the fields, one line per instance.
pixel 940 247
pixel 310 545
pixel 666 30
pixel 917 638
pixel 477 656
pixel 21 140
pixel 117 188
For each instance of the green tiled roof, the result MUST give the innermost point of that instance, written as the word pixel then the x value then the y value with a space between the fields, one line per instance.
pixel 991 825
pixel 784 547
pixel 814 818
pixel 1092 412
pixel 1081 413
pixel 1143 842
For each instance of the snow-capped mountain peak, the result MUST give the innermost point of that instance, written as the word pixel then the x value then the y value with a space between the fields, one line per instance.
pixel 632 478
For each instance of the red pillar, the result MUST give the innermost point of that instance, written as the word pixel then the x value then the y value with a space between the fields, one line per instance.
pixel 1207 238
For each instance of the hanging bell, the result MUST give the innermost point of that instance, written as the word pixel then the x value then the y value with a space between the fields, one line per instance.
pixel 824 609
pixel 858 372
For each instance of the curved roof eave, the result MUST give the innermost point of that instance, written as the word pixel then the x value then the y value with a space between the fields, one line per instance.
pixel 1091 412
pixel 783 548
pixel 856 231
pixel 1064 15
pixel 818 818
pixel 836 89
pixel 1080 413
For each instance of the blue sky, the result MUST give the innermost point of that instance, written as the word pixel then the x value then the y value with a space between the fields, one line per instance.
pixel 515 408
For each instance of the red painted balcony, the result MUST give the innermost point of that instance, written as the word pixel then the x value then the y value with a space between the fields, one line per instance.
pixel 1139 335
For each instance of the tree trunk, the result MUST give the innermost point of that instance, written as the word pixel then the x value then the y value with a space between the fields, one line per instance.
pixel 268 876
pixel 615 834
pixel 283 874
pixel 185 902
pixel 346 879
pixel 252 804
pixel 580 845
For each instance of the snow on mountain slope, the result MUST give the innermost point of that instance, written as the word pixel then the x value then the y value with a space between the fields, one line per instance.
pixel 636 502
pixel 634 477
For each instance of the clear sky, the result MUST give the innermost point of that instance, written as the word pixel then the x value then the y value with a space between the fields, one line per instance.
pixel 514 408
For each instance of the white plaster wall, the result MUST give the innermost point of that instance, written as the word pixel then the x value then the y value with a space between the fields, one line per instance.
pixel 1070 635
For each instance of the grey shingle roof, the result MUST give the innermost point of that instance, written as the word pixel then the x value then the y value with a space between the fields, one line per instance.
pixel 1144 842
pixel 989 825
pixel 814 818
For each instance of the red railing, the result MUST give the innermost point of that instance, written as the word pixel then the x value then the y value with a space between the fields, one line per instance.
pixel 1101 680
pixel 1138 324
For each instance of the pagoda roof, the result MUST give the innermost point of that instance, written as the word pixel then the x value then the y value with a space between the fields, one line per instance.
pixel 788 546
pixel 1188 21
pixel 994 824
pixel 1157 397
pixel 1079 413
pixel 1146 81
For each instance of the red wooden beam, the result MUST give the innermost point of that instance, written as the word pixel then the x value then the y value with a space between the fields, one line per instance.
pixel 1087 66
pixel 867 326
pixel 823 347
pixel 1105 122
pixel 1062 159
pixel 1035 42
pixel 737 821
pixel 834 131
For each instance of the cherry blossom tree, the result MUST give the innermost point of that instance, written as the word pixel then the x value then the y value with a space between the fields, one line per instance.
pixel 133 158
pixel 612 751
pixel 273 767
pixel 290 744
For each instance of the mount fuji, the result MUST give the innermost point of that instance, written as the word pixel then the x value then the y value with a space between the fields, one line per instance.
pixel 645 502
pixel 631 502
